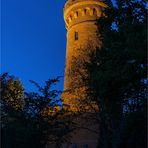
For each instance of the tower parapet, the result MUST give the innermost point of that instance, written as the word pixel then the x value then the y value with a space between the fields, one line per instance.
pixel 78 11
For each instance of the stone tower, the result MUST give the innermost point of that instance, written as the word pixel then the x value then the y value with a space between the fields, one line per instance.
pixel 80 19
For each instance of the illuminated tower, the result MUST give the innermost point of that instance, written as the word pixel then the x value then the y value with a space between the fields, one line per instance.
pixel 80 19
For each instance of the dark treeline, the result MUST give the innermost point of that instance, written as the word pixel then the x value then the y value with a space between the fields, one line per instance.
pixel 34 119
pixel 116 75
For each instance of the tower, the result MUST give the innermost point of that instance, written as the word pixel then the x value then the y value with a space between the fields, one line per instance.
pixel 80 20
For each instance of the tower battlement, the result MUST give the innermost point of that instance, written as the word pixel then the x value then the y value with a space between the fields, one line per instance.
pixel 78 11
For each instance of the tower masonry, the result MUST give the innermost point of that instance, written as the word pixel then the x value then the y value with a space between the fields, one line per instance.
pixel 80 20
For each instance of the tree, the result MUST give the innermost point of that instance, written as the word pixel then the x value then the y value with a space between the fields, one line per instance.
pixel 12 91
pixel 116 75
pixel 39 122
pixel 12 104
pixel 12 97
pixel 49 120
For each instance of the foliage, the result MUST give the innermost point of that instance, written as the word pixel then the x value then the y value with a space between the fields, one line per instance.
pixel 49 119
pixel 116 77
pixel 117 74
pixel 12 91
pixel 40 121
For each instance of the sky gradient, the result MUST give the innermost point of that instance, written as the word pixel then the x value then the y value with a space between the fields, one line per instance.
pixel 33 40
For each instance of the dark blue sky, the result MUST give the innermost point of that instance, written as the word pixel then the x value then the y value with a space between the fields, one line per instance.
pixel 33 39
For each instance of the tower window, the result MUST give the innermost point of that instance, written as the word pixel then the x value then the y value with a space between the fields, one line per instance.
pixel 85 11
pixel 76 35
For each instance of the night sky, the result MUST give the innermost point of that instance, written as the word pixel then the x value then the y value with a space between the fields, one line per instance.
pixel 33 40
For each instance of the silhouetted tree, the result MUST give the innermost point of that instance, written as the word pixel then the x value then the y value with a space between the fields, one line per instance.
pixel 50 120
pixel 38 121
pixel 116 75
